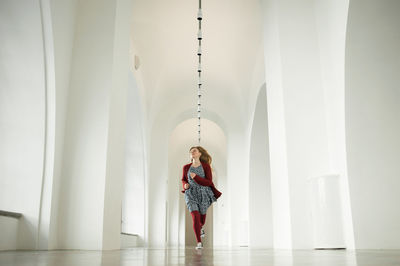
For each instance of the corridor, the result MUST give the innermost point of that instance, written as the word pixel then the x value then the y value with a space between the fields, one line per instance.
pixel 103 104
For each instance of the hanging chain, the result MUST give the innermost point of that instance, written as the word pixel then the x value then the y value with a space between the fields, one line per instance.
pixel 199 38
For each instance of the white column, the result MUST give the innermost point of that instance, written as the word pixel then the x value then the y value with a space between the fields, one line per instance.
pixel 299 111
pixel 281 217
pixel 237 195
pixel 91 188
pixel 260 206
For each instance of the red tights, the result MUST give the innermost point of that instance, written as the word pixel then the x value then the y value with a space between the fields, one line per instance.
pixel 198 221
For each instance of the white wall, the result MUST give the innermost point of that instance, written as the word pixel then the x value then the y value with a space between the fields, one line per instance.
pixel 372 121
pixel 331 22
pixel 260 206
pixel 297 44
pixel 35 106
pixel 237 196
pixel 22 115
pixel 54 28
pixel 156 187
pixel 133 204
pixel 117 125
pixel 59 25
pixel 80 216
pixel 71 197
pixel 92 176
pixel 277 131
pixel 304 108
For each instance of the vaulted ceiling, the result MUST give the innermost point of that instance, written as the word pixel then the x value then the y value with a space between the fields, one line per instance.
pixel 164 36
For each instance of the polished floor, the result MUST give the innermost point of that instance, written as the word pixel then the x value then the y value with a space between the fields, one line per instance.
pixel 190 256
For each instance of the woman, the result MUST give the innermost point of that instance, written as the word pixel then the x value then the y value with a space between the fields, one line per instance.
pixel 199 189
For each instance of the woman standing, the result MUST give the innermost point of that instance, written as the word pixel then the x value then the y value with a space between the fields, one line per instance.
pixel 199 189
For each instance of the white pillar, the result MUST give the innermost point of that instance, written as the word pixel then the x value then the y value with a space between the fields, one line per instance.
pixel 237 195
pixel 299 112
pixel 260 206
pixel 281 217
pixel 326 211
pixel 91 189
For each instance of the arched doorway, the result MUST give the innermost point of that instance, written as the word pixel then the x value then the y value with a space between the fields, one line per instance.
pixel 179 222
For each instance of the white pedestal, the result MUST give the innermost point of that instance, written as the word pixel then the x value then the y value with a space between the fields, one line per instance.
pixel 8 230
pixel 130 241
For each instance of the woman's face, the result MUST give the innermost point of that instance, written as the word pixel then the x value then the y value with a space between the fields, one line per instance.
pixel 194 153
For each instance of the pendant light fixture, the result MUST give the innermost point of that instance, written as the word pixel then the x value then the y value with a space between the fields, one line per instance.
pixel 199 70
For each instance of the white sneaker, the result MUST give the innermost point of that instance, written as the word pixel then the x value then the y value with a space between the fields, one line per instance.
pixel 199 245
pixel 202 233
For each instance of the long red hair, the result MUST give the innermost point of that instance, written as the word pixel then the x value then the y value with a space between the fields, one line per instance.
pixel 205 157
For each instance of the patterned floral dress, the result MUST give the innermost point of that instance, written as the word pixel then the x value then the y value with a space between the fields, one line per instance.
pixel 198 197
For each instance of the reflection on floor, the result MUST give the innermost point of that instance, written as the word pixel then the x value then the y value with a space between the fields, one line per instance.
pixel 190 256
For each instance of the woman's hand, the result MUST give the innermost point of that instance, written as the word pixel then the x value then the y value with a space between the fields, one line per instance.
pixel 187 186
pixel 192 175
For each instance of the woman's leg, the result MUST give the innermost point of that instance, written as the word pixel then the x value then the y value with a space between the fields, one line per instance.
pixel 196 224
pixel 202 219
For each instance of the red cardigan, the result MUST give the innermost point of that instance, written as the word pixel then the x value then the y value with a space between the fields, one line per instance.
pixel 207 181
